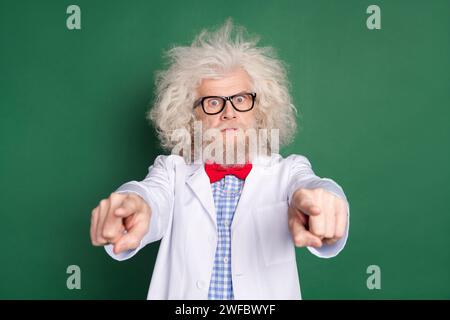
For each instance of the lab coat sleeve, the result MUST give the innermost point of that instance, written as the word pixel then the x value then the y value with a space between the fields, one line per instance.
pixel 302 176
pixel 157 191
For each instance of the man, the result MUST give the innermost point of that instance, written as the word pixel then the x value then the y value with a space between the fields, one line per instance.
pixel 228 230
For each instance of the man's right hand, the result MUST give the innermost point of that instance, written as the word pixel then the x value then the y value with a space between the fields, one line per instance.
pixel 122 220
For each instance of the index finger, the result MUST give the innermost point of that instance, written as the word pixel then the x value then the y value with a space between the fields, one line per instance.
pixel 132 238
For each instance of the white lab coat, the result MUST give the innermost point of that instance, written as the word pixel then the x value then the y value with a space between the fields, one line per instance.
pixel 263 259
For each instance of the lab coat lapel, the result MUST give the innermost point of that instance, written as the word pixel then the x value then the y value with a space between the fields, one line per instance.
pixel 200 185
pixel 251 185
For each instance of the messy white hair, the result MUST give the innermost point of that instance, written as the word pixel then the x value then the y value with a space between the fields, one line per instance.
pixel 213 55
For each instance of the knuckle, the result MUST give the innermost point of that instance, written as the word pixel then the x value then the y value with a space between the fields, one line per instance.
pixel 95 242
pixel 107 234
pixel 112 209
pixel 339 234
pixel 115 196
pixel 112 196
pixel 344 207
pixel 305 204
pixel 133 196
pixel 299 193
pixel 319 232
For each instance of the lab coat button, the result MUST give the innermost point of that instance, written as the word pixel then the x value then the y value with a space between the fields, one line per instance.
pixel 200 284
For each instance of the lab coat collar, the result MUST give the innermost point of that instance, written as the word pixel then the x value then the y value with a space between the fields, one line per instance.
pixel 199 183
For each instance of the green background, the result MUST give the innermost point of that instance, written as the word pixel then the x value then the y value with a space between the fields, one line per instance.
pixel 374 110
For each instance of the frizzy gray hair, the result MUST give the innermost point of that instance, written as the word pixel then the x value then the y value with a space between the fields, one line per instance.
pixel 212 55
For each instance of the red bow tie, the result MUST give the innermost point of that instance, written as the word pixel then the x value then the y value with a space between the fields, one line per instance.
pixel 216 172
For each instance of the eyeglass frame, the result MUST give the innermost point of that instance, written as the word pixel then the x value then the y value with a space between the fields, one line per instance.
pixel 229 98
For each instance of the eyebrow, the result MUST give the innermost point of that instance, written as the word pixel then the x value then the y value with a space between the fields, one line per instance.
pixel 215 95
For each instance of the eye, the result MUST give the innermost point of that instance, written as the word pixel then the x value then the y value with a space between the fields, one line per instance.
pixel 239 99
pixel 213 103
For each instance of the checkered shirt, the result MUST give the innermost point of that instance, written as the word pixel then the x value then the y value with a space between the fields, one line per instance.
pixel 226 193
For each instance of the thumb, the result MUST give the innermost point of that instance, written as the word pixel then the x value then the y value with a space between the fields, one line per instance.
pixel 126 242
pixel 312 240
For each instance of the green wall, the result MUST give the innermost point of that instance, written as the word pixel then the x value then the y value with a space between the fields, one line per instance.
pixel 375 111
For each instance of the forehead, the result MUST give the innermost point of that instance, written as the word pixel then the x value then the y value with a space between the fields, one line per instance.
pixel 231 83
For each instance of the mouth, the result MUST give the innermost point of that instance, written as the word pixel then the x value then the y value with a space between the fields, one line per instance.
pixel 229 129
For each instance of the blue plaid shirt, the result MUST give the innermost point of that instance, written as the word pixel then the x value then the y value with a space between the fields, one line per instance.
pixel 226 193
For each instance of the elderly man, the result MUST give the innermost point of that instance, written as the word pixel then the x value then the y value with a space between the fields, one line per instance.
pixel 227 230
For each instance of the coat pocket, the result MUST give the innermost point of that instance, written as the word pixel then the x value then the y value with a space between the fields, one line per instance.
pixel 273 232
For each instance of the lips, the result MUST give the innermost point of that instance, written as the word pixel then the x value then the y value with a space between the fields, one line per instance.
pixel 228 129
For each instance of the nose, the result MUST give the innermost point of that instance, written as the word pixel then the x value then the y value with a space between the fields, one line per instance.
pixel 228 112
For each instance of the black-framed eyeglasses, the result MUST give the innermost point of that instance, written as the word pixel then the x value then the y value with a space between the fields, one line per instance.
pixel 241 102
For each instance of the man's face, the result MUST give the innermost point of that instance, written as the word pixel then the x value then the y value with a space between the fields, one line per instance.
pixel 229 119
